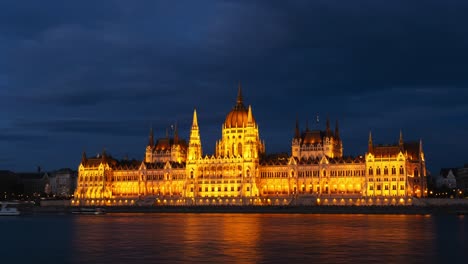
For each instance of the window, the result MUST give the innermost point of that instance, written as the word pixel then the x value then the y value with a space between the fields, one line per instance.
pixel 416 172
pixel 393 170
pixel 238 189
pixel 385 171
pixel 402 187
pixel 191 189
pixel 378 171
pixel 212 189
pixel 225 189
pixel 378 188
pixel 386 187
pixel 199 189
pixel 394 187
pixel 371 187
pixel 232 189
pixel 402 171
pixel 206 189
pixel 248 188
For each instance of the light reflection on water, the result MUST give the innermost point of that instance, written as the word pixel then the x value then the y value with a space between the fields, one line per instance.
pixel 234 238
pixel 237 238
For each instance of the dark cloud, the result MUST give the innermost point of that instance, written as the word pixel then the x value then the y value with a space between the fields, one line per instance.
pixel 103 72
pixel 18 137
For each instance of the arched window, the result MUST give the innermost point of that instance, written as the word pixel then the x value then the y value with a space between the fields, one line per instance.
pixel 402 171
pixel 393 170
pixel 385 171
pixel 378 171
pixel 239 149
pixel 371 171
pixel 191 174
pixel 416 172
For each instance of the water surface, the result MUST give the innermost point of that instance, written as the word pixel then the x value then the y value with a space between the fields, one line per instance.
pixel 234 238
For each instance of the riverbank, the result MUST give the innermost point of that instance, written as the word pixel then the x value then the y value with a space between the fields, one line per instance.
pixel 403 210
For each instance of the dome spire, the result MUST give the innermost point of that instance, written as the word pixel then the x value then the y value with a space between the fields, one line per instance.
pixel 239 94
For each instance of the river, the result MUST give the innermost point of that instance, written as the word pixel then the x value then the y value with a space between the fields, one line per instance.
pixel 234 238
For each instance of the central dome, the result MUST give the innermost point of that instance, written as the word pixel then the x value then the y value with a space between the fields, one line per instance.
pixel 239 115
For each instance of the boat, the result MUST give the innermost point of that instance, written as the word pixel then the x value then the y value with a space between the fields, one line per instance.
pixel 89 211
pixel 6 209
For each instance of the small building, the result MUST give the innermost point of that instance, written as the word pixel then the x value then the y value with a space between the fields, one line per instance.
pixel 63 182
pixel 9 185
pixel 446 178
pixel 34 183
pixel 462 178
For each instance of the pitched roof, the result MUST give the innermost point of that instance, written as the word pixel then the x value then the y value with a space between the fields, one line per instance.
pixel 444 172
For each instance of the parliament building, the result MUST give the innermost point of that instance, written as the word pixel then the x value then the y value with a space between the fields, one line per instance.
pixel 176 172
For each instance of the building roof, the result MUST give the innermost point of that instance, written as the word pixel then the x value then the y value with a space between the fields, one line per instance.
pixel 410 148
pixel 283 159
pixel 444 172
pixel 165 144
pixel 275 159
pixel 161 165
pixel 31 175
pixel 312 137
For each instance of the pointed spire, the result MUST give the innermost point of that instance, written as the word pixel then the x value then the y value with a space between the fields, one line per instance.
pixel 337 132
pixel 400 142
pixel 104 155
pixel 370 144
pixel 328 127
pixel 239 95
pixel 249 116
pixel 420 146
pixel 84 159
pixel 194 120
pixel 176 134
pixel 151 137
pixel 297 133
pixel 195 149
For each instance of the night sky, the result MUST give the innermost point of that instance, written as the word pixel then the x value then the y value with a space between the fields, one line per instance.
pixel 87 75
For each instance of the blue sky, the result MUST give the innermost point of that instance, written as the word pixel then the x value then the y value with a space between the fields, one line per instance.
pixel 87 75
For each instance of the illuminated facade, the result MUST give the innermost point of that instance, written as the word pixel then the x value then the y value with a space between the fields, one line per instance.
pixel 240 172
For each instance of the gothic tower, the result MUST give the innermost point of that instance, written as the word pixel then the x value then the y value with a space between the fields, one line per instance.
pixel 195 148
